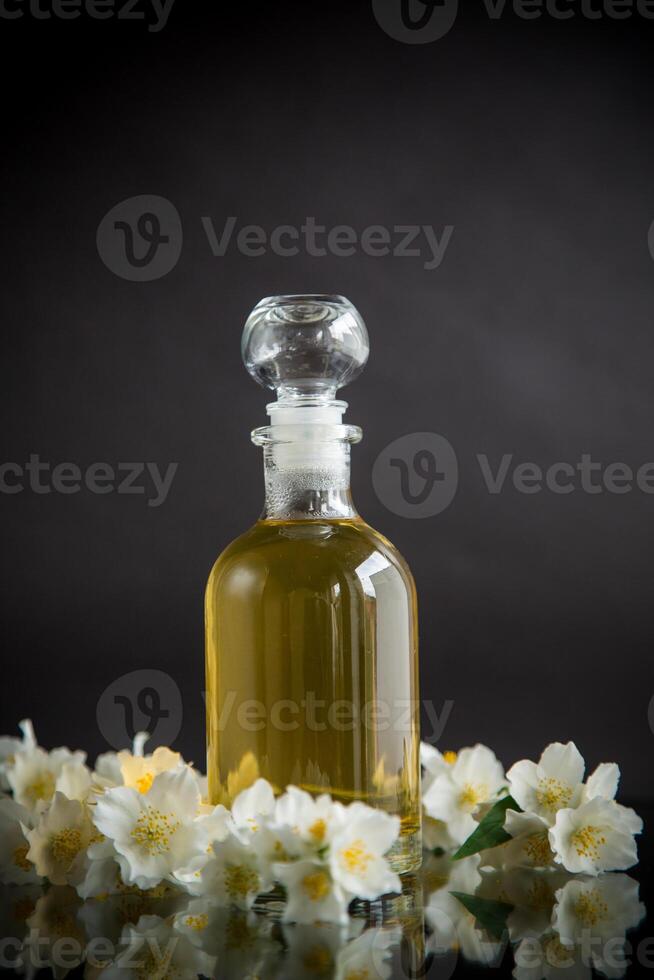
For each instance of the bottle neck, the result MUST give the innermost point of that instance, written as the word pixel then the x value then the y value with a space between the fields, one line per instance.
pixel 305 481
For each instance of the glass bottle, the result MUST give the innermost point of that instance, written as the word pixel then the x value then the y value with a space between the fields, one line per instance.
pixel 311 616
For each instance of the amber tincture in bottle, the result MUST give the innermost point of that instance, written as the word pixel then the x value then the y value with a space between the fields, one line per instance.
pixel 311 631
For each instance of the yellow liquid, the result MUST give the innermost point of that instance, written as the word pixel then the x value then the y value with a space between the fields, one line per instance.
pixel 312 675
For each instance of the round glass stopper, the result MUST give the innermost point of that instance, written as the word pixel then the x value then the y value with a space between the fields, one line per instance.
pixel 305 346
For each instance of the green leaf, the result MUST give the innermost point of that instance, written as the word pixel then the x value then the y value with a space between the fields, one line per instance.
pixel 490 832
pixel 489 914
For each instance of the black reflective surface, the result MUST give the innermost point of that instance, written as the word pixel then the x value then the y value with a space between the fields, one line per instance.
pixel 529 923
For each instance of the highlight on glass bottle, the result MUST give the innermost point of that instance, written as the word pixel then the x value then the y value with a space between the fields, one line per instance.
pixel 311 615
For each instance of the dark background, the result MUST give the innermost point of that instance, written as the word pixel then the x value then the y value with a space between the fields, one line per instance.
pixel 534 337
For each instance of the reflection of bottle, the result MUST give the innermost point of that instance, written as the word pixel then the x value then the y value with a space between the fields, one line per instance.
pixel 312 673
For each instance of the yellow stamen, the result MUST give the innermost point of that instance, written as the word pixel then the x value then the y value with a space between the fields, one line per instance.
pixel 154 830
pixel 356 857
pixel 471 796
pixel 42 788
pixel 552 794
pixel 240 880
pixel 587 841
pixel 145 782
pixel 317 886
pixel 591 908
pixel 197 922
pixel 318 961
pixel 538 850
pixel 450 757
pixel 66 845
pixel 318 831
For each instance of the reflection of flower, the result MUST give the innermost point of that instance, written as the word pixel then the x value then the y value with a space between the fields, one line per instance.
pixel 153 949
pixel 55 919
pixel 239 940
pixel 589 922
pixel 597 836
pixel 598 912
pixel 368 956
pixel 17 905
pixel 457 791
pixel 452 926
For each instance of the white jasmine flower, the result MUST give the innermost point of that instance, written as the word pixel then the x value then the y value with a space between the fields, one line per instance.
pixel 357 852
pixel 232 874
pixel 59 841
pixel 104 871
pixel 152 948
pixel 34 774
pixel 74 780
pixel 530 844
pixel 250 808
pixel 602 782
pixel 434 763
pixel 368 956
pixel 140 771
pixel 312 894
pixel 460 791
pixel 15 822
pixel 107 772
pixel 299 827
pixel 597 836
pixel 551 784
pixel 156 832
pixel 315 821
pixel 10 747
